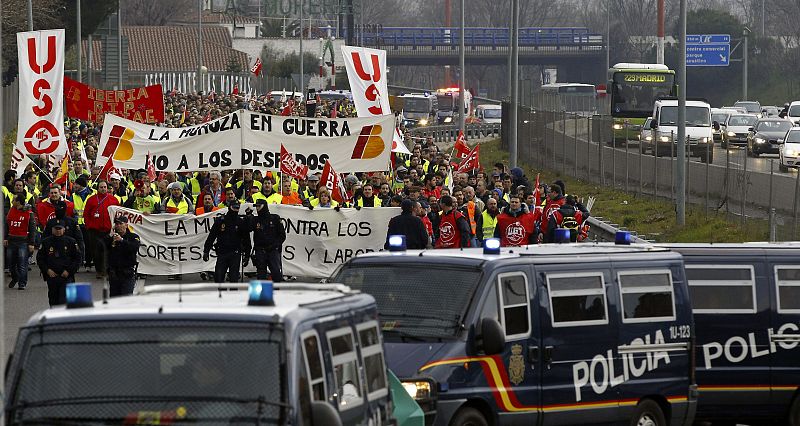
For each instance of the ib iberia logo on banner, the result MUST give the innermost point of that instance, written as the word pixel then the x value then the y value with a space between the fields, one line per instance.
pixel 119 143
pixel 370 143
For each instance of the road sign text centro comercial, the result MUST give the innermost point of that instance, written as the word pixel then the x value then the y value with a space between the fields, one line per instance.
pixel 708 50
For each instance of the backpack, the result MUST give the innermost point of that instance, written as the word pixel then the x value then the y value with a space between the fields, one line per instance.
pixel 571 223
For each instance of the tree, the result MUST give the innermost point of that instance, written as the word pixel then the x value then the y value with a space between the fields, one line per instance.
pixel 233 65
pixel 156 12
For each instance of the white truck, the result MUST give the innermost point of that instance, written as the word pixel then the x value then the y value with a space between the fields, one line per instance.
pixel 699 129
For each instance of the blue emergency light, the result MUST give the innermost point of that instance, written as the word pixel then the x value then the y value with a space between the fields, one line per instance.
pixel 562 235
pixel 397 243
pixel 491 246
pixel 622 237
pixel 79 295
pixel 261 293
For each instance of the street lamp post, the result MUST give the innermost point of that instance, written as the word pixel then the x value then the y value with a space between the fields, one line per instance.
pixel 199 80
pixel 680 175
pixel 745 36
pixel 302 80
pixel 462 79
pixel 512 140
pixel 80 53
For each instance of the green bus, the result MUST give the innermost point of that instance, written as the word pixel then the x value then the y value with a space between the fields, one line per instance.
pixel 633 89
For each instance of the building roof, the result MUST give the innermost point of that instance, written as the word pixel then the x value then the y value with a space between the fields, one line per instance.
pixel 174 48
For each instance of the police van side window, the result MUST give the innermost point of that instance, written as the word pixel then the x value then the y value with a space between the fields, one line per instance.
pixel 515 318
pixel 345 366
pixel 722 289
pixel 787 279
pixel 577 299
pixel 646 295
pixel 316 373
pixel 372 354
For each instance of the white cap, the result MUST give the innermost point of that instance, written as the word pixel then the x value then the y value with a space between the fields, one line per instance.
pixel 115 176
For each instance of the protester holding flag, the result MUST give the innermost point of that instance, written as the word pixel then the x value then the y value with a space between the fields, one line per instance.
pixel 98 224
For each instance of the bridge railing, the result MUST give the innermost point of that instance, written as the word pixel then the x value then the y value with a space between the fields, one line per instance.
pixel 449 133
pixel 495 37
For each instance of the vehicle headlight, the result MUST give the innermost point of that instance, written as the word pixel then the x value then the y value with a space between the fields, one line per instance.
pixel 418 389
pixel 648 138
pixel 703 140
pixel 448 119
pixel 760 140
pixel 617 126
pixel 423 122
pixel 790 153
pixel 732 134
pixel 664 138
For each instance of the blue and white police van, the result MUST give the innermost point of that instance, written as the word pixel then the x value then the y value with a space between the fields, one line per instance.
pixel 195 354
pixel 746 302
pixel 538 335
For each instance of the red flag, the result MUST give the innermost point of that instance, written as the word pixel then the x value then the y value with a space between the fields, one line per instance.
pixel 335 184
pixel 256 68
pixel 333 110
pixel 292 167
pixel 472 161
pixel 151 168
pixel 207 118
pixel 107 169
pixel 461 148
pixel 536 192
pixel 162 176
pixel 287 110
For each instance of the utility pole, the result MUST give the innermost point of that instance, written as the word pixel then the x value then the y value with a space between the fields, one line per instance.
pixel 30 15
pixel 119 44
pixel 2 201
pixel 660 47
pixel 80 47
pixel 608 37
pixel 302 79
pixel 512 139
pixel 680 174
pixel 462 80
pixel 510 47
pixel 745 36
pixel 448 13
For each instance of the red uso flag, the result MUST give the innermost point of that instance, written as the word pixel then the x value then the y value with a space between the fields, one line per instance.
pixel 291 167
pixel 461 148
pixel 40 126
pixel 256 68
pixel 331 180
pixel 472 162
pixel 366 72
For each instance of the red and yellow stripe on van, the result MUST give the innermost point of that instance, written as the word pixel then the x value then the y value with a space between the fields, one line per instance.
pixel 746 388
pixel 495 372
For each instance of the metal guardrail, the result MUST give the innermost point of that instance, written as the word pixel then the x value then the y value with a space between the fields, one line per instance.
pixel 601 230
pixel 449 133
pixel 492 37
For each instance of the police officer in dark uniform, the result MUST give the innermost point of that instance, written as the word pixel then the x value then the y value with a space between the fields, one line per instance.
pixel 59 258
pixel 71 228
pixel 232 236
pixel 268 238
pixel 122 250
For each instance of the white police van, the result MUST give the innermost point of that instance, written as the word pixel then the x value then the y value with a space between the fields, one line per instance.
pixel 537 335
pixel 746 302
pixel 301 354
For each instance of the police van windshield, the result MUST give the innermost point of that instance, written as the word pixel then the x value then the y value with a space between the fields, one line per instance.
pixel 415 303
pixel 193 372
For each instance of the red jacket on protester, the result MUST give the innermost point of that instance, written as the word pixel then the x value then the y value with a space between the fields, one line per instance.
pixel 45 210
pixel 95 212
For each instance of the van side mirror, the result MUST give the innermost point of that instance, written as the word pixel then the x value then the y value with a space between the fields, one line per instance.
pixel 750 129
pixel 653 124
pixel 323 414
pixel 492 339
pixel 716 125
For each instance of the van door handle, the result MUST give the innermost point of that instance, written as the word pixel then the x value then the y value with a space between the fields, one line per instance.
pixel 533 354
pixel 548 354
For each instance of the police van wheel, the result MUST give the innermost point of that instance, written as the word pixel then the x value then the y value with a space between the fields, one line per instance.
pixel 468 417
pixel 794 413
pixel 648 413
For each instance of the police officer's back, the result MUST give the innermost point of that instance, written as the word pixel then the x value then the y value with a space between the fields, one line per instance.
pixel 230 237
pixel 122 250
pixel 268 239
pixel 408 224
pixel 59 258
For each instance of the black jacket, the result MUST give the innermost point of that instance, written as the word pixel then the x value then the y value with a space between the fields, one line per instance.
pixel 122 254
pixel 412 227
pixel 231 233
pixel 268 232
pixel 71 229
pixel 59 254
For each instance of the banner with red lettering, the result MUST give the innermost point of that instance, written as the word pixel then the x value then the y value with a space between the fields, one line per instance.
pixel 40 127
pixel 292 167
pixel 141 104
pixel 366 71
pixel 335 184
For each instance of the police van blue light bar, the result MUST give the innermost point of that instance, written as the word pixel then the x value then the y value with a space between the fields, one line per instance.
pixel 491 246
pixel 397 243
pixel 562 235
pixel 622 237
pixel 79 295
pixel 261 293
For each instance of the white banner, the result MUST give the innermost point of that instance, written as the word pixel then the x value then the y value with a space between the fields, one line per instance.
pixel 366 71
pixel 19 161
pixel 40 126
pixel 247 139
pixel 317 241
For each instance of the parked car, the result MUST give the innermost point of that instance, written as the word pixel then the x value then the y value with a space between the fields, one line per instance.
pixel 737 129
pixel 790 150
pixel 767 136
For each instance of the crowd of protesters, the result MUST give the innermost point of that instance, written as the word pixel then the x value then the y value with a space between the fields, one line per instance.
pixel 455 209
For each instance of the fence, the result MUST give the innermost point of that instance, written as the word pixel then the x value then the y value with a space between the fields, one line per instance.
pixel 578 146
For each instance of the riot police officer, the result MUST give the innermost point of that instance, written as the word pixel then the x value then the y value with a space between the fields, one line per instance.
pixel 268 238
pixel 122 250
pixel 231 233
pixel 59 258
pixel 71 228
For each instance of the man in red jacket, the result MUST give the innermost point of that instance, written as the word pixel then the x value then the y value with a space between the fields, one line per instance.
pixel 98 224
pixel 46 210
pixel 515 225
pixel 18 240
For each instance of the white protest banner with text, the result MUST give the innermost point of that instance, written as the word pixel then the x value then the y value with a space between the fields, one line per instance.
pixel 317 241
pixel 247 139
pixel 366 72
pixel 40 126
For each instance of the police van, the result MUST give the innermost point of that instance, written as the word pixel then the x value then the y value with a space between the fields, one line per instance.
pixel 746 302
pixel 547 335
pixel 282 354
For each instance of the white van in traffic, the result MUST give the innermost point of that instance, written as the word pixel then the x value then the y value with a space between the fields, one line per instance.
pixel 488 113
pixel 699 130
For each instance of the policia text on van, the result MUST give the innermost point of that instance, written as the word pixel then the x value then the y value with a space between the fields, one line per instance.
pixel 310 355
pixel 577 334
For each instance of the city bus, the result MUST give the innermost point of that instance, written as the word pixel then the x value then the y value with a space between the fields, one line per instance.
pixel 575 98
pixel 634 88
